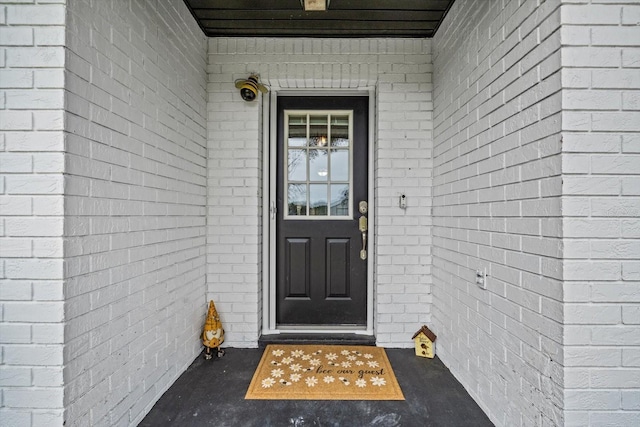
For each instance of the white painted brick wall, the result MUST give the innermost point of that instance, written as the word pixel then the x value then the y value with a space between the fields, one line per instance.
pixel 496 201
pixel 601 207
pixel 509 193
pixel 134 205
pixel 400 70
pixel 31 213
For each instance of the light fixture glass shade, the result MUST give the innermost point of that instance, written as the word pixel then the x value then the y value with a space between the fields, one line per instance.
pixel 315 5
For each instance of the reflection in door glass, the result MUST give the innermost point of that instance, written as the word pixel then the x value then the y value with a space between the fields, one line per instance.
pixel 297 131
pixel 340 199
pixel 318 165
pixel 340 165
pixel 297 165
pixel 318 131
pixel 297 199
pixel 318 199
pixel 319 169
pixel 339 131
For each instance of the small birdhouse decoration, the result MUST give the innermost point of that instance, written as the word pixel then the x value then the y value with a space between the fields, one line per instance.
pixel 423 341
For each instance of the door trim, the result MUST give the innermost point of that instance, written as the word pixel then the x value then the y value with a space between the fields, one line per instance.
pixel 269 182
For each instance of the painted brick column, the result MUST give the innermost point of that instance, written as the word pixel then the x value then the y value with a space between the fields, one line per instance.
pixel 234 195
pixel 404 166
pixel 601 209
pixel 32 63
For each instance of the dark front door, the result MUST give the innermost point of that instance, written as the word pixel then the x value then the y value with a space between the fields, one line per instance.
pixel 322 198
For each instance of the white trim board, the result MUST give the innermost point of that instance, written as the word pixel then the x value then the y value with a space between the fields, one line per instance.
pixel 269 118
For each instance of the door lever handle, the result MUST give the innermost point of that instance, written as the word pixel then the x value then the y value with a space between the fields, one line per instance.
pixel 363 226
pixel 363 252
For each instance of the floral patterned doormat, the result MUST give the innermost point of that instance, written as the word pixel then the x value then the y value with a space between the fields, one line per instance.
pixel 324 372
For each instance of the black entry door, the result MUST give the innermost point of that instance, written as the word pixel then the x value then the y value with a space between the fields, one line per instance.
pixel 322 198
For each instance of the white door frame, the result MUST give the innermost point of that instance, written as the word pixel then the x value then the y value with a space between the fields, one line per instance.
pixel 269 182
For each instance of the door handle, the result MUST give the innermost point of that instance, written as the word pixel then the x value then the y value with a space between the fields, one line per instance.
pixel 363 226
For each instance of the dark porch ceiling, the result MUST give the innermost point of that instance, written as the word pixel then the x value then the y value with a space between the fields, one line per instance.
pixel 343 18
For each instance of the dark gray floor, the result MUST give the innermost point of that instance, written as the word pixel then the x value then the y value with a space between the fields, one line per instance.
pixel 211 393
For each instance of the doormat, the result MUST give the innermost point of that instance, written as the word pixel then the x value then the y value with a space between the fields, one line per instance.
pixel 324 372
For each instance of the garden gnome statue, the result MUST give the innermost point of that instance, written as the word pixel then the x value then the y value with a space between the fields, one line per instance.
pixel 213 334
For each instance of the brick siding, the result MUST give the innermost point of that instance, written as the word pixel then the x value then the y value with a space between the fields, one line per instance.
pixel 131 192
pixel 601 207
pixel 497 188
pixel 32 59
pixel 400 71
pixel 129 214
pixel 134 205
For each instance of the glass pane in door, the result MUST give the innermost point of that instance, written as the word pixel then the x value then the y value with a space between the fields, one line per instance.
pixel 318 199
pixel 319 170
pixel 340 165
pixel 340 131
pixel 297 199
pixel 340 199
pixel 297 131
pixel 297 165
pixel 318 165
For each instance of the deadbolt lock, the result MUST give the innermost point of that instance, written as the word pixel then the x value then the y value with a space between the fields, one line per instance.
pixel 363 207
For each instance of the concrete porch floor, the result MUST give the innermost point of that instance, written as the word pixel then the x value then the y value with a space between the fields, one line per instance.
pixel 211 393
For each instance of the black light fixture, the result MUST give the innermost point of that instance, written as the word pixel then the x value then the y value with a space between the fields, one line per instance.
pixel 249 87
pixel 315 5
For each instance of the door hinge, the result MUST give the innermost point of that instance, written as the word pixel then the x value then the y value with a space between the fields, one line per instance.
pixel 273 210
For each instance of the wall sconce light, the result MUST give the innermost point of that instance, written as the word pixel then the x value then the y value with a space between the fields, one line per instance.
pixel 315 5
pixel 249 87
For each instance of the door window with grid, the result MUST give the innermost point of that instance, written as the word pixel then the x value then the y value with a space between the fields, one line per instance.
pixel 318 179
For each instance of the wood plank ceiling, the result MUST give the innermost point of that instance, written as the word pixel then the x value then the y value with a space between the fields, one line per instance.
pixel 343 18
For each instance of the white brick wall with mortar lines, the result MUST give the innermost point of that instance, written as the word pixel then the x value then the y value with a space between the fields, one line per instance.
pixel 31 213
pixel 497 205
pixel 601 207
pixel 112 184
pixel 400 70
pixel 135 205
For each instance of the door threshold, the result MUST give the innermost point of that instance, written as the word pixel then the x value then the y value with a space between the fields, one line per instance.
pixel 317 338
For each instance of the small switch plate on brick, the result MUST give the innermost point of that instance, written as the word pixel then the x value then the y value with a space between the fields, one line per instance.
pixel 481 278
